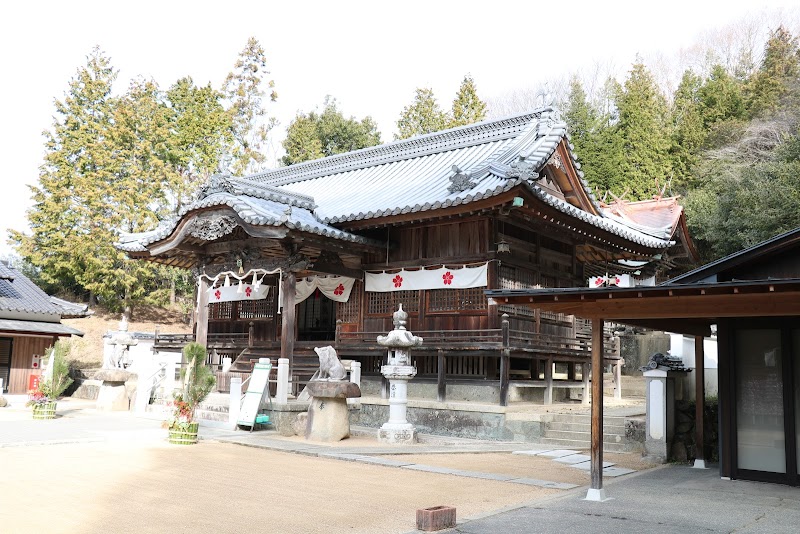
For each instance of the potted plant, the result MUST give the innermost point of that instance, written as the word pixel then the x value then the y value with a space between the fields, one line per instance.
pixel 198 381
pixel 44 396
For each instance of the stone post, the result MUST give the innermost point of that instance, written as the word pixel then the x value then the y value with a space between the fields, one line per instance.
pixel 282 387
pixel 656 429
pixel 235 405
pixel 355 378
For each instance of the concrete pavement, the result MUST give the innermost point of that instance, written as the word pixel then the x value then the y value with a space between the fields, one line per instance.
pixel 667 499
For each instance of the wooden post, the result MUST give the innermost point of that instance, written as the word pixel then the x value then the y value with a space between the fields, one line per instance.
pixel 338 334
pixel 571 371
pixel 596 491
pixel 201 333
pixel 505 362
pixel 441 377
pixel 251 334
pixel 288 288
pixel 700 402
pixel 548 381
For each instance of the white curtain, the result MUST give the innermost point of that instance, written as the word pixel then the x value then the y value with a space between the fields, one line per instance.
pixel 237 292
pixel 441 278
pixel 336 288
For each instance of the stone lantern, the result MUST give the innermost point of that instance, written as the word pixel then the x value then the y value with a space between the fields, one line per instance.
pixel 398 371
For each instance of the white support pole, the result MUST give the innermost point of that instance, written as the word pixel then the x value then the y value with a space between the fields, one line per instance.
pixel 235 401
pixel 355 378
pixel 618 379
pixel 585 380
pixel 282 388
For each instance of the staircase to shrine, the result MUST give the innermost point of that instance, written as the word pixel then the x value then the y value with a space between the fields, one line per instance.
pixel 573 431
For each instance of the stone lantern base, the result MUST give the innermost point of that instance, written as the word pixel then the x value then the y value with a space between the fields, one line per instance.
pixel 397 433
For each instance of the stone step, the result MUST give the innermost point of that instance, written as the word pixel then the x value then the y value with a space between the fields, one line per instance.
pixel 609 420
pixel 211 415
pixel 585 445
pixel 582 436
pixel 608 428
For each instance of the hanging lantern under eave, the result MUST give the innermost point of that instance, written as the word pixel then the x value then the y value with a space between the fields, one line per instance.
pixel 503 247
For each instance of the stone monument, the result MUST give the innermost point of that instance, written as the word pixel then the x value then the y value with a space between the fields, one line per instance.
pixel 121 341
pixel 398 371
pixel 113 394
pixel 328 414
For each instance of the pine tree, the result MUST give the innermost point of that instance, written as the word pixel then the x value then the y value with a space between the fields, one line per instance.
pixel 643 125
pixel 421 117
pixel 316 135
pixel 244 90
pixel 468 108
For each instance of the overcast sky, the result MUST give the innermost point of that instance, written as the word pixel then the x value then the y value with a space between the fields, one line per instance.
pixel 369 55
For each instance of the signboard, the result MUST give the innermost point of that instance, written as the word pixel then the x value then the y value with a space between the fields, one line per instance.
pixel 256 389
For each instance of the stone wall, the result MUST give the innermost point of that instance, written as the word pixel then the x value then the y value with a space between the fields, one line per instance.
pixel 682 448
pixel 637 346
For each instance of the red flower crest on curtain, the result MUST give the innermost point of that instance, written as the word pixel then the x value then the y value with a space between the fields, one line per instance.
pixel 218 294
pixel 398 281
pixel 339 290
pixel 248 291
pixel 447 278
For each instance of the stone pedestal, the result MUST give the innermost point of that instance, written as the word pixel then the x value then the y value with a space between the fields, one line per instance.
pixel 660 414
pixel 113 395
pixel 328 414
pixel 398 429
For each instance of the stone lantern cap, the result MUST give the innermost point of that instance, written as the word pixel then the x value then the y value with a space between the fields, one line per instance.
pixel 399 337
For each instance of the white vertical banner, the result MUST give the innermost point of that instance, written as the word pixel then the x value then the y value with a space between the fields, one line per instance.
pixel 441 278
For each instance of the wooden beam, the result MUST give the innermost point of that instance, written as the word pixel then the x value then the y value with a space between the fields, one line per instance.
pixel 288 289
pixel 441 384
pixel 597 407
pixel 212 249
pixel 201 332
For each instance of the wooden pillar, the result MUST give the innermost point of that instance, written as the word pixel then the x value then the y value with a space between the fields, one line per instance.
pixel 596 491
pixel 288 289
pixel 201 332
pixel 700 402
pixel 441 383
pixel 548 381
pixel 505 362
pixel 571 371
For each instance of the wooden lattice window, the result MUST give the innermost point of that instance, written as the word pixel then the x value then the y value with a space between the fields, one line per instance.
pixel 511 277
pixel 348 311
pixel 220 310
pixel 444 300
pixel 258 309
pixel 386 303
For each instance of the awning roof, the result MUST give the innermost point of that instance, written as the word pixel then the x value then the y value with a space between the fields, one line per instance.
pixel 689 308
pixel 37 327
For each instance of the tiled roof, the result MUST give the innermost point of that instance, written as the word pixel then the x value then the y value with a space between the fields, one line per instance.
pixel 410 176
pixel 37 327
pixel 22 295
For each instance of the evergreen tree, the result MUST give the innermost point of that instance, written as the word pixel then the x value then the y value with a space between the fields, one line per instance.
pixel 688 133
pixel 596 142
pixel 643 126
pixel 201 136
pixel 421 117
pixel 780 67
pixel 71 215
pixel 243 89
pixel 316 135
pixel 468 108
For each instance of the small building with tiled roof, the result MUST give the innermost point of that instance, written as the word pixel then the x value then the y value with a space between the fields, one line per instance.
pixel 30 321
pixel 429 222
